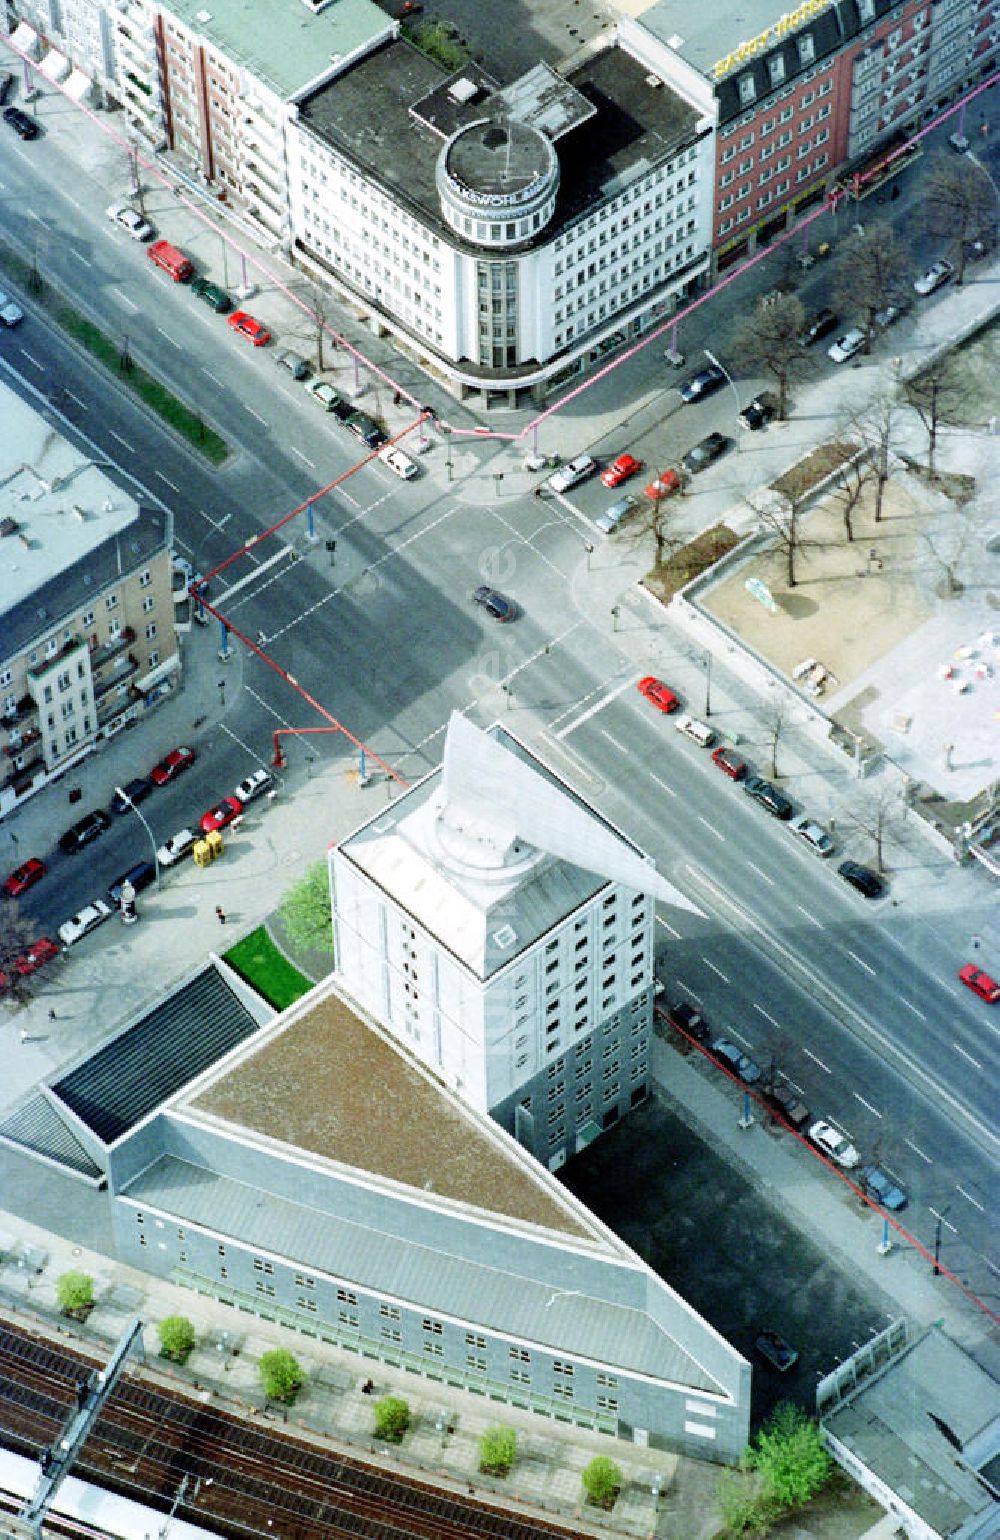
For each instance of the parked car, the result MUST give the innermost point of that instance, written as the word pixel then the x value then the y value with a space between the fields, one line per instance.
pixel 885 317
pixel 494 602
pixel 772 1347
pixel 131 220
pixel 256 331
pixel 324 394
pixel 127 796
pixel 399 463
pixel 25 877
pixel 608 521
pixel 938 273
pixel 733 1057
pixel 690 1021
pixel 366 429
pixel 6 84
pixel 835 1144
pixel 769 797
pixel 814 835
pixel 140 875
pixel 171 766
pixel 38 954
pixel 729 762
pixel 572 473
pixel 84 830
pixel 702 384
pixel 221 814
pixel 846 346
pixel 820 324
pixel 176 847
pixel 253 785
pixel 883 1189
pixel 665 484
pixel 10 314
pixel 980 983
pixel 862 878
pixel 758 412
pixel 705 453
pixel 23 126
pixel 212 295
pixel 82 923
pixel 656 691
pixel 700 732
pixel 785 1102
pixel 297 366
pixel 621 470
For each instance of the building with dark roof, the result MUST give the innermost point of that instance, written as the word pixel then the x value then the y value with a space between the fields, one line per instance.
pixel 86 607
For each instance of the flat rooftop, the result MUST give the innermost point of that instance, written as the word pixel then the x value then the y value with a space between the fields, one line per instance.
pixel 702 34
pixel 366 115
pixel 333 1085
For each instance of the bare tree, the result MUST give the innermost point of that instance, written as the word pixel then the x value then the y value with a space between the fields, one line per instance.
pixel 779 516
pixel 935 395
pixel 771 340
pixel 875 426
pixel 872 273
pixel 851 483
pixel 773 722
pixel 655 517
pixel 947 546
pixel 16 935
pixel 320 303
pixel 959 202
pixel 878 815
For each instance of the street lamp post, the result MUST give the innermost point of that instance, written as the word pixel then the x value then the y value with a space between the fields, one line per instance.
pixel 736 395
pixel 156 860
pixel 708 684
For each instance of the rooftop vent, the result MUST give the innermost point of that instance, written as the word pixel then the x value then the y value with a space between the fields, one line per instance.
pixel 8 527
pixel 464 90
pixel 203 16
pixel 654 82
pixel 505 937
pixel 79 513
pixel 88 581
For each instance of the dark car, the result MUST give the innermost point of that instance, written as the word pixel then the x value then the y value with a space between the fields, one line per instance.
pixel 23 126
pixel 883 1189
pixel 861 877
pixel 212 295
pixel 84 830
pixel 140 876
pixel 819 325
pixel 735 1059
pixel 366 429
pixel 127 796
pixel 690 1021
pixel 6 82
pixel 758 413
pixel 494 603
pixel 769 797
pixel 785 1102
pixel 343 410
pixel 706 452
pixel 703 383
pixel 778 1353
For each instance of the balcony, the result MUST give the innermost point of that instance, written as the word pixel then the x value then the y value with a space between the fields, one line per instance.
pixel 25 707
pixel 42 669
pixel 101 655
pixel 125 668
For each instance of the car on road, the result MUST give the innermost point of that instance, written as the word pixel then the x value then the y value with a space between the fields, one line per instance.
pixel 131 220
pixel 758 412
pixel 171 766
pixel 494 602
pixel 690 1021
pixel 769 797
pixel 244 323
pixel 38 954
pixel 253 785
pixel 862 878
pixel 572 473
pixel 399 463
pixel 820 324
pixel 621 470
pixel 608 521
pixel 980 983
pixel 702 384
pixel 297 366
pixel 23 126
pixel 366 429
pixel 772 1347
pixel 176 847
pixel 814 835
pixel 10 314
pixel 656 691
pixel 699 732
pixel 212 295
pixel 84 830
pixel 785 1102
pixel 706 452
pixel 883 1189
pixel 832 1142
pixel 82 923
pixel 664 485
pixel 324 394
pixel 127 796
pixel 140 875
pixel 733 1057
pixel 25 877
pixel 220 815
pixel 846 346
pixel 729 762
pixel 938 273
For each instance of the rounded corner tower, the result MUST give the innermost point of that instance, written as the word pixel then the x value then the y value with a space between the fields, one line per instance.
pixel 497 181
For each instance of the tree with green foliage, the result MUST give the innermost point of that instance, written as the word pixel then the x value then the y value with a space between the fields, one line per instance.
pixel 497 1450
pixel 75 1292
pixel 744 1508
pixel 392 1418
pixel 176 1336
pixel 281 1375
pixel 305 911
pixel 789 1455
pixel 602 1480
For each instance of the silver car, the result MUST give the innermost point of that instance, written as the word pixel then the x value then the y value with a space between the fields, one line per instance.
pixel 86 920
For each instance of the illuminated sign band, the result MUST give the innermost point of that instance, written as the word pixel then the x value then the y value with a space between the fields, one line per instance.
pixel 790 22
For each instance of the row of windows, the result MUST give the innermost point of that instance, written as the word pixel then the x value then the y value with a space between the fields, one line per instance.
pixel 767 198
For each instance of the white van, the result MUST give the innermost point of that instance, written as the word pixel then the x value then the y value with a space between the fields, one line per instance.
pixel 699 731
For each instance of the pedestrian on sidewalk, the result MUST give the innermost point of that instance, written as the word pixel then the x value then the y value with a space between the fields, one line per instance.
pixel 52 1014
pixel 220 914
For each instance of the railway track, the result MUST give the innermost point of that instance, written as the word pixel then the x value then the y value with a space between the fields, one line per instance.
pixel 241 1479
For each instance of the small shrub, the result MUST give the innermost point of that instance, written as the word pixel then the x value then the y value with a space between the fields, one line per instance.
pixel 281 1375
pixel 176 1336
pixel 497 1450
pixel 392 1418
pixel 602 1480
pixel 75 1293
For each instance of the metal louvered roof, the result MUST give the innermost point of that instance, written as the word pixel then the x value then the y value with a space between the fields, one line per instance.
pixel 128 1078
pixel 36 1126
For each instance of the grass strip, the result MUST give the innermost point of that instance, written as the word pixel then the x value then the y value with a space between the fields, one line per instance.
pixel 257 959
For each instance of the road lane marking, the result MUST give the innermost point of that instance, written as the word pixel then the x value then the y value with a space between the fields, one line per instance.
pixel 959 1049
pixel 612 740
pixel 255 414
pixel 913 1008
pixel 968 1196
pixel 80 257
pixel 120 293
pixel 942 1220
pixel 171 484
pixel 675 933
pixel 740 1038
pixel 305 458
pixel 252 577
pixel 213 377
pixel 688 991
pixel 122 441
pixel 592 711
pixel 918 1151
pixel 167 337
pixel 711 829
pixel 861 962
pixel 710 964
pixel 32 359
pixel 762 875
pixel 815 1059
pixel 867 1104
pixel 767 1015
pixel 81 404
pixel 662 784
pixel 810 917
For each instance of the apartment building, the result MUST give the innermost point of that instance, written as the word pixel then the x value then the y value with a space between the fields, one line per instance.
pixel 87 639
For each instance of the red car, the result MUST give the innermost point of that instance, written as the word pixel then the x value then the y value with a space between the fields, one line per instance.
pixel 656 691
pixel 224 812
pixel 25 877
pixel 729 763
pixel 980 983
pixel 665 485
pixel 174 763
pixel 39 952
pixel 241 322
pixel 620 470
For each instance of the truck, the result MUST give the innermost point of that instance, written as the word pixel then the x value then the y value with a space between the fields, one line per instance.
pixel 172 261
pixel 572 473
